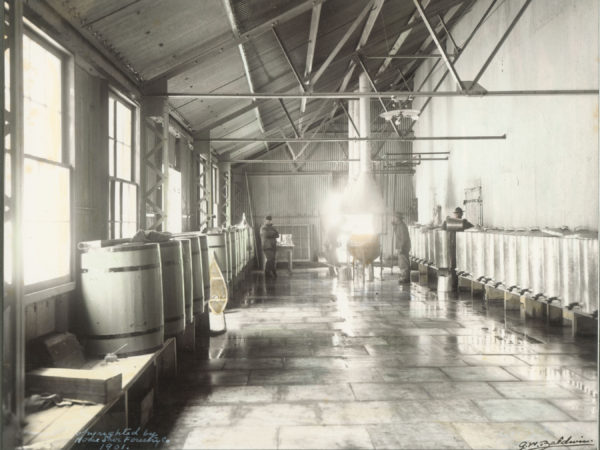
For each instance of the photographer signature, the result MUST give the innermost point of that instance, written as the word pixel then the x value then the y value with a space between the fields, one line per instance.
pixel 560 442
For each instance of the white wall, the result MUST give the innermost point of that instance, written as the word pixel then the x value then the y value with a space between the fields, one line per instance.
pixel 546 172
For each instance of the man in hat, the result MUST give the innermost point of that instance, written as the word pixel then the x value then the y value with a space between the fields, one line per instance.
pixel 268 238
pixel 402 245
pixel 458 223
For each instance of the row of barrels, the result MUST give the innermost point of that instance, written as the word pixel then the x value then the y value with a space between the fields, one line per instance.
pixel 433 247
pixel 561 268
pixel 135 295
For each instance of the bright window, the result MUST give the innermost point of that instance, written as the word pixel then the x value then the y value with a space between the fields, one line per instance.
pixel 215 195
pixel 201 193
pixel 123 189
pixel 47 172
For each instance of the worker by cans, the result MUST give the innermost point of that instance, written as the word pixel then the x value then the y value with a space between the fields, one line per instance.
pixel 457 222
pixel 402 244
pixel 268 238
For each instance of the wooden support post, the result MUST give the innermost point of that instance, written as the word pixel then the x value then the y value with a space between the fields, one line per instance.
pixel 477 289
pixel 512 302
pixel 493 295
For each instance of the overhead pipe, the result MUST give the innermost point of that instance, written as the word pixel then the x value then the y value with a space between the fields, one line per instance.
pixel 357 139
pixel 390 94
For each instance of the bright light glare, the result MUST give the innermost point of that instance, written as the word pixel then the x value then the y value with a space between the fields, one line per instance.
pixel 174 224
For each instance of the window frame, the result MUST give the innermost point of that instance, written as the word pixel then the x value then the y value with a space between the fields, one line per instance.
pixel 51 287
pixel 114 180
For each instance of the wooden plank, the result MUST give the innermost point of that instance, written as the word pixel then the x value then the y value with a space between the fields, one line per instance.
pixel 98 386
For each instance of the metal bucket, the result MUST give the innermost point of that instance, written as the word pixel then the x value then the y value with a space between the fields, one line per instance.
pixel 121 299
pixel 171 257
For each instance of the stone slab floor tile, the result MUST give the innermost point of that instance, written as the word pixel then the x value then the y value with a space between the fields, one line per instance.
pixel 583 409
pixel 313 392
pixel 532 389
pixel 413 374
pixel 496 436
pixel 275 414
pixel 389 391
pixel 412 411
pixel 483 373
pixel 527 410
pixel 241 394
pixel 218 437
pixel 324 437
pixel 425 436
pixel 492 360
pixel 461 390
pixel 345 413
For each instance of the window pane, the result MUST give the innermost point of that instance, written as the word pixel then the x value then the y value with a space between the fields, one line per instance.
pixel 111 157
pixel 111 117
pixel 174 213
pixel 123 161
pixel 42 90
pixel 117 197
pixel 129 203
pixel 46 213
pixel 123 124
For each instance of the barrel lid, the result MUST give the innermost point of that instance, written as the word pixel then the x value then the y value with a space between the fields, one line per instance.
pixel 171 243
pixel 122 248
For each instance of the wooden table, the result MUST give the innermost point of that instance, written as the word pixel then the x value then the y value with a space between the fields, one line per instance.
pixel 290 251
pixel 59 428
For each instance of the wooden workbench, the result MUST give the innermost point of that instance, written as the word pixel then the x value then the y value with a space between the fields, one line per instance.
pixel 60 427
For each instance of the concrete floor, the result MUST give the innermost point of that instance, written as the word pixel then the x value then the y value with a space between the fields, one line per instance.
pixel 310 362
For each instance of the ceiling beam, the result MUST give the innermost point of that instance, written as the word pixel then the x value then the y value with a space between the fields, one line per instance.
pixel 341 42
pixel 438 43
pixel 226 42
pixel 310 50
pixel 400 39
pixel 224 119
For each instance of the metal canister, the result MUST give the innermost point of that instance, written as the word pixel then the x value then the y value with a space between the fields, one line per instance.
pixel 461 252
pixel 442 240
pixel 570 269
pixel 489 254
pixel 477 253
pixel 522 258
pixel 588 244
pixel 510 240
pixel 535 248
pixel 552 248
pixel 498 265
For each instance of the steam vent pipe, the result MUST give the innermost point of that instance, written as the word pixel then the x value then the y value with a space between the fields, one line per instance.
pixel 364 123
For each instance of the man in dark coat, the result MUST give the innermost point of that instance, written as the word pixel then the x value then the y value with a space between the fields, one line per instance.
pixel 268 238
pixel 402 239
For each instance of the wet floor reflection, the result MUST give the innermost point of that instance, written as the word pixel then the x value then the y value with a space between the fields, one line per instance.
pixel 310 351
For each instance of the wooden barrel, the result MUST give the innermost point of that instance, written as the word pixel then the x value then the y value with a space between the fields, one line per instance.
pixel 188 277
pixel 197 271
pixel 243 250
pixel 172 283
pixel 228 273
pixel 235 252
pixel 205 267
pixel 121 299
pixel 217 250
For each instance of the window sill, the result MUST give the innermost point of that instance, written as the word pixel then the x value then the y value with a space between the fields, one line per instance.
pixel 45 294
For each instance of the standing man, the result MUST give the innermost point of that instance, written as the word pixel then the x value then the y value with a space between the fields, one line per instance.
pixel 456 223
pixel 268 238
pixel 403 246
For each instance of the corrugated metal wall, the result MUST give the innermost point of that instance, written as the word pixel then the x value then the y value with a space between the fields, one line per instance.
pixel 297 197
